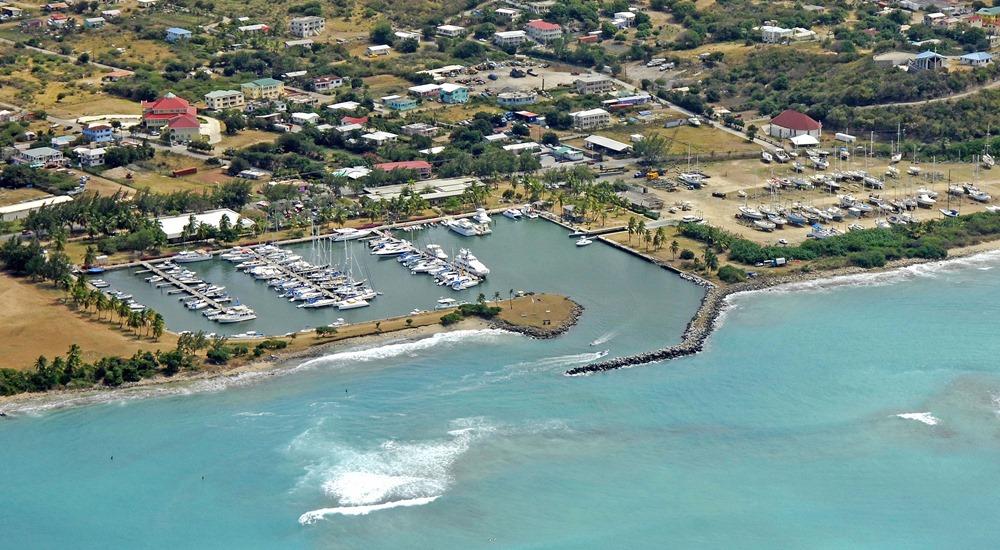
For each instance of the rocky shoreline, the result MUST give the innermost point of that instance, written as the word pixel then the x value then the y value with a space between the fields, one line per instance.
pixel 542 333
pixel 713 304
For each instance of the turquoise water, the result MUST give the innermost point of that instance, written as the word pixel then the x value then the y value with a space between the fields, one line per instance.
pixel 783 433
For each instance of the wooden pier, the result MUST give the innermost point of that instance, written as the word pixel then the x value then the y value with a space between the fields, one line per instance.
pixel 289 274
pixel 175 282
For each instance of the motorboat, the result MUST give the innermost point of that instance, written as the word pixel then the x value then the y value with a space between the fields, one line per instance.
pixel 99 283
pixel 446 303
pixel 892 172
pixel 189 256
pixel 584 241
pixel 436 251
pixel 352 303
pixel 951 213
pixel 467 228
pixel 349 234
pixel 980 196
pixel 928 192
pixel 766 157
pixel 913 170
pixel 691 179
pixel 513 213
pixel 925 201
pixel 319 302
pixel 236 314
pixel 798 167
pixel 896 157
pixel 993 208
pixel 987 161
pixel 882 224
pixel 481 216
pixel 465 261
pixel 796 219
pixel 691 219
pixel 855 227
pixel 781 156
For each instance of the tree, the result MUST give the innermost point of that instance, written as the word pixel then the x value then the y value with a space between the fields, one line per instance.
pixel 711 259
pixel 674 247
pixel 382 33
pixel 651 149
pixel 751 132
pixel 631 227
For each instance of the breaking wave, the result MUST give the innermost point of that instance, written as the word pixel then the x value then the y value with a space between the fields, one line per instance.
pixel 313 516
pixel 925 417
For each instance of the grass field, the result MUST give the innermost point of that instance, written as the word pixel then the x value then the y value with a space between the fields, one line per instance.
pixel 244 139
pixel 385 84
pixel 14 196
pixel 35 322
pixel 82 104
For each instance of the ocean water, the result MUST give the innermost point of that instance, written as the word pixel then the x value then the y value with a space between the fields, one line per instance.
pixel 862 413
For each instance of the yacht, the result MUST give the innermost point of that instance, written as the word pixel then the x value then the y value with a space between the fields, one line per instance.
pixel 584 241
pixel 446 303
pixel 100 283
pixel 236 314
pixel 349 234
pixel 352 303
pixel 764 225
pixel 988 161
pixel 319 302
pixel 691 178
pixel 188 256
pixel 512 213
pixel 481 216
pixel 925 201
pixel 979 196
pixel 465 261
pixel 950 213
pixel 467 228
pixel 750 213
pixel 436 251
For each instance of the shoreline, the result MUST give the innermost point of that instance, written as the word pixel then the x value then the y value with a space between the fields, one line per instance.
pixel 714 303
pixel 273 365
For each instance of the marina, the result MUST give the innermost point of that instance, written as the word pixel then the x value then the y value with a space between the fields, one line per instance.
pixel 509 255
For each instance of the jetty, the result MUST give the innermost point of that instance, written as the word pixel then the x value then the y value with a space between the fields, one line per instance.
pixel 175 282
pixel 289 274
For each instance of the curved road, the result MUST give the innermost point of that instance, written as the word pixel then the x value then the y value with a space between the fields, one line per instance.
pixel 971 91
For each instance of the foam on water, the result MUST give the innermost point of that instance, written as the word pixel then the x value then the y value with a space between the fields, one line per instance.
pixel 388 351
pixel 393 474
pixel 925 417
pixel 474 381
pixel 605 338
pixel 313 516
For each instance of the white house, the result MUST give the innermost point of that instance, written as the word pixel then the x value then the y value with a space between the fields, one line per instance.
pixel 509 38
pixel 380 138
pixel 90 157
pixel 305 27
pixel 305 118
pixel 220 100
pixel 450 31
pixel 344 106
pixel 976 59
pixel 381 49
pixel 590 119
pixel 775 35
pixel 793 123
pixel 594 84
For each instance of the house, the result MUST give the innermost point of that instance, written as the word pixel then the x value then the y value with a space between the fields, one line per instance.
pixel 257 28
pixel 420 129
pixel 220 100
pixel 496 138
pixel 590 119
pixel 305 118
pixel 399 103
pixel 565 153
pixel 294 74
pixel 454 93
pixel 425 90
pixel 516 98
pixel 528 117
pixel 93 22
pixel 7 115
pixel 792 123
pixel 10 12
pixel 353 172
pixel 175 34
pixel 354 120
pixel 607 145
pixel 157 114
pixel 380 138
pixel 40 156
pixel 378 50
pixel 407 35
pixel 56 6
pixel 146 4
pixel 344 106
pixel 21 210
pixel 543 31
pixel 58 20
pixel 324 83
pixel 32 25
pixel 450 31
pixel 90 157
pixel 304 27
pixel 640 198
pixel 976 59
pixel 421 167
pixel 928 61
pixel 184 128
pixel 116 75
pixel 62 141
pixel 507 15
pixel 506 39
pixel 989 17
pixel 626 101
pixel 304 42
pixel 348 128
pixel 263 88
pixel 893 59
pixel 174 226
pixel 770 34
pixel 98 133
pixel 111 14
pixel 521 147
pixel 936 18
pixel 593 84
pixel 625 16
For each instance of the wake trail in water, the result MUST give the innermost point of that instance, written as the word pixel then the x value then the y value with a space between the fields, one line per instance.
pixel 474 381
pixel 924 417
pixel 605 338
pixel 313 516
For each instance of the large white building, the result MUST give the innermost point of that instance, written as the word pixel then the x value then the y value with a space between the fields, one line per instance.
pixel 543 31
pixel 509 38
pixel 174 226
pixel 594 84
pixel 451 31
pixel 220 100
pixel 22 209
pixel 307 26
pixel 591 119
pixel 793 123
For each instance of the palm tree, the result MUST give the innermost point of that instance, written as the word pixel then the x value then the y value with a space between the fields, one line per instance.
pixel 631 227
pixel 510 298
pixel 647 236
pixel 124 313
pixel 496 297
pixel 674 248
pixel 158 326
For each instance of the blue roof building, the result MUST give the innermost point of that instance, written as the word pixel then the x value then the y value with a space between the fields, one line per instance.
pixel 175 33
pixel 976 59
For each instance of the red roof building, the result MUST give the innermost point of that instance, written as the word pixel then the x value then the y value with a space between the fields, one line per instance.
pixel 156 114
pixel 421 167
pixel 184 127
pixel 793 123
pixel 353 120
pixel 543 31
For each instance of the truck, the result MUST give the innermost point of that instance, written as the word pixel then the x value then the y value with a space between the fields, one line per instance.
pixel 656 62
pixel 652 175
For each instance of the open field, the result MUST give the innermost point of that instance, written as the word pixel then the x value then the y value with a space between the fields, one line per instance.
pixel 79 105
pixel 536 311
pixel 14 196
pixel 386 84
pixel 35 322
pixel 244 139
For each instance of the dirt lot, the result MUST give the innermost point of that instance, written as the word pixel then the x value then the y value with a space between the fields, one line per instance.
pixel 14 196
pixel 34 322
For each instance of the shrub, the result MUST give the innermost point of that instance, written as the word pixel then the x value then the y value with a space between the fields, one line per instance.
pixel 687 254
pixel 218 356
pixel 731 274
pixel 451 318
